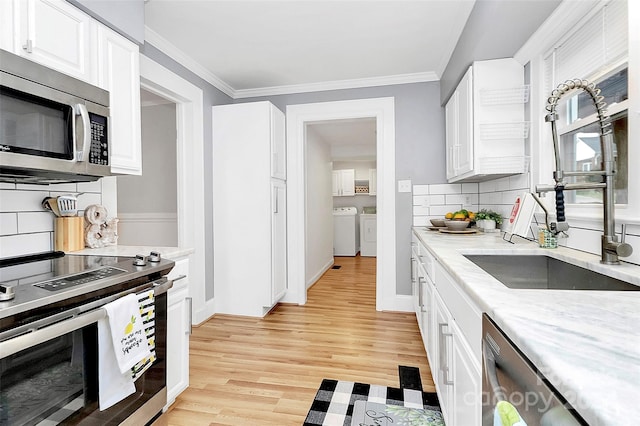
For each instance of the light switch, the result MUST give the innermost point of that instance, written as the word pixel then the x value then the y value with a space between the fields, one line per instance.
pixel 404 185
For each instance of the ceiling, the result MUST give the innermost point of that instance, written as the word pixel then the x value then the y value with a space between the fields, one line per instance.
pixel 351 139
pixel 258 48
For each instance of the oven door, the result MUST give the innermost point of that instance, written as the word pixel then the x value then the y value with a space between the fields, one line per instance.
pixel 50 376
pixel 508 376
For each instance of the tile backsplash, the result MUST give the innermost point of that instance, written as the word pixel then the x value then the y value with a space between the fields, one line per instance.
pixel 434 201
pixel 25 226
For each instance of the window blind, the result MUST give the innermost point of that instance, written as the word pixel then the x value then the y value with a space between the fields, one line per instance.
pixel 596 44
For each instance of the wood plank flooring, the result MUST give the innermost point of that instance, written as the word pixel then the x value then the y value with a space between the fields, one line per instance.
pixel 249 371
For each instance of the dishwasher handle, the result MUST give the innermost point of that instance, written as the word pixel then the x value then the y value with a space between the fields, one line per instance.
pixel 490 370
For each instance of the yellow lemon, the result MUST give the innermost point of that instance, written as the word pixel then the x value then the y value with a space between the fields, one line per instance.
pixel 448 215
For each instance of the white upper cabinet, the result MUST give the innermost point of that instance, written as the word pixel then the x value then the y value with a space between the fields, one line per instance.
pixel 373 181
pixel 119 73
pixel 51 32
pixel 343 182
pixel 485 127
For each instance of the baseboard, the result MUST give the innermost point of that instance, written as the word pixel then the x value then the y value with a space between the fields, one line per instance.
pixel 320 273
pixel 204 314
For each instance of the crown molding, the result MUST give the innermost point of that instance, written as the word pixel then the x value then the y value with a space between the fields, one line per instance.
pixel 180 57
pixel 337 85
pixel 563 18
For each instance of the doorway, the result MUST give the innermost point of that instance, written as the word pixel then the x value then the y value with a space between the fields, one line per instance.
pixel 147 210
pixel 298 118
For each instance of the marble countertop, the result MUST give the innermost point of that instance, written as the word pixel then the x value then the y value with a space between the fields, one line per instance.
pixel 586 343
pixel 130 251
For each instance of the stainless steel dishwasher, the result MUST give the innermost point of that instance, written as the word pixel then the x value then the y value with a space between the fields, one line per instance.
pixel 507 375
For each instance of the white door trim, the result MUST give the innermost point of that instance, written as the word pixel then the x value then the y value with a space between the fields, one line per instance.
pixel 383 110
pixel 190 171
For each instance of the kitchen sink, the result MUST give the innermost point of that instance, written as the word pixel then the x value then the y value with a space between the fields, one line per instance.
pixel 544 272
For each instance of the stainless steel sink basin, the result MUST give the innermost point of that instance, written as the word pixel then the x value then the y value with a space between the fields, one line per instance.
pixel 544 272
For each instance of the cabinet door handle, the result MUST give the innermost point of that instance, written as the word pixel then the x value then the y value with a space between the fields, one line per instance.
pixel 189 313
pixel 443 345
pixel 421 282
pixel 28 46
pixel 413 275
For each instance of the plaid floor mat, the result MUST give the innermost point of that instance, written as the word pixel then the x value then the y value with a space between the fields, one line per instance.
pixel 333 404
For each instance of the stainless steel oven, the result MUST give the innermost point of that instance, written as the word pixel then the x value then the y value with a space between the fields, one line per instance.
pixel 49 366
pixel 53 128
pixel 507 375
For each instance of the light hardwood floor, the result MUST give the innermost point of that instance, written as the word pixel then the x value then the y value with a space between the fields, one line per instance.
pixel 250 371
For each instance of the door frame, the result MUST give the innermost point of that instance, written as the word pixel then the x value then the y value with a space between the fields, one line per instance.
pixel 383 110
pixel 190 172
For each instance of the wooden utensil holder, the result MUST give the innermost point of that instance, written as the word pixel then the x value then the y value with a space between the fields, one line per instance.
pixel 69 233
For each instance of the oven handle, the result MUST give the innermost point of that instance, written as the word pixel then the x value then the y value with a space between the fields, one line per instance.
pixel 65 322
pixel 28 340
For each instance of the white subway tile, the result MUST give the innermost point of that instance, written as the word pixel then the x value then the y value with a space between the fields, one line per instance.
pixel 502 184
pixel 17 245
pixel 18 201
pixel 64 187
pixel 30 222
pixel 436 199
pixel 487 186
pixel 8 223
pixel 85 200
pixel 420 189
pixel 445 188
pixel 420 200
pixel 421 221
pixel 95 186
pixel 461 199
pixel 442 210
pixel 420 210
pixel 469 188
pixel 6 185
pixel 520 181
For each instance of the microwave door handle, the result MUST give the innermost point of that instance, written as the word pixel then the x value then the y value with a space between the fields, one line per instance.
pixel 490 370
pixel 82 111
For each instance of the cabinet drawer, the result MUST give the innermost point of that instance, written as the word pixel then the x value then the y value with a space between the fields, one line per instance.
pixel 427 260
pixel 466 314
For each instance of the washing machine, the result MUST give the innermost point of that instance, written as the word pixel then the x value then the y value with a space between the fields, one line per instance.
pixel 346 232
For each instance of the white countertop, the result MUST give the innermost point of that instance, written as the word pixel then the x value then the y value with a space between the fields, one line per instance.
pixel 586 343
pixel 130 251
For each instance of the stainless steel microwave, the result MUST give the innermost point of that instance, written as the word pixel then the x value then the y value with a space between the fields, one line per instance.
pixel 53 127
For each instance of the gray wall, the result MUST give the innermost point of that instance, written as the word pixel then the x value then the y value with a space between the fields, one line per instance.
pixel 211 96
pixel 419 147
pixel 495 29
pixel 156 189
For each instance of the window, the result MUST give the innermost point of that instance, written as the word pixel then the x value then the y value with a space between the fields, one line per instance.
pixel 597 50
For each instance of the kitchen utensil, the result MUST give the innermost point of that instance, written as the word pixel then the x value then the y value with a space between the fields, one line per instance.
pixel 68 205
pixel 51 204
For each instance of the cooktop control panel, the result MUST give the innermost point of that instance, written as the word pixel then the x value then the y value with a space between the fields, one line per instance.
pixel 78 279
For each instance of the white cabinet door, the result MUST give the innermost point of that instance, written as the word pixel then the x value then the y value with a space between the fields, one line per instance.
pixel 177 344
pixel 278 144
pixel 373 181
pixel 120 75
pixel 442 370
pixel 278 243
pixel 343 182
pixel 178 331
pixel 451 134
pixel 467 390
pixel 464 157
pixel 55 34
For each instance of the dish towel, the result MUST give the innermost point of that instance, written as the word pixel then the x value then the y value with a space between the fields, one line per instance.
pixel 146 301
pixel 506 414
pixel 122 343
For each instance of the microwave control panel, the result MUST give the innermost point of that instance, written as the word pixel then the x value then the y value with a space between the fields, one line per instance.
pixel 99 153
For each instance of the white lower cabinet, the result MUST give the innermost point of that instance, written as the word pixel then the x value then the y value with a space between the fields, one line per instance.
pixel 451 326
pixel 178 331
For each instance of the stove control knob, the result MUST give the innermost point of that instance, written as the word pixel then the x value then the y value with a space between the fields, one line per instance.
pixel 154 257
pixel 140 260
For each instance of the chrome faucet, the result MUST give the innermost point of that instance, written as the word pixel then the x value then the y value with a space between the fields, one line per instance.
pixel 611 249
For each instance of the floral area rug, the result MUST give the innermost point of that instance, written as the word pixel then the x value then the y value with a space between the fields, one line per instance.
pixel 334 404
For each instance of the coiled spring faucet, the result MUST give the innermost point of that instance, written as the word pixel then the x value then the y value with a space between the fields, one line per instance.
pixel 611 248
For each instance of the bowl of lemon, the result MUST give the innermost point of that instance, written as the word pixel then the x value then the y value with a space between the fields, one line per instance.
pixel 460 220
